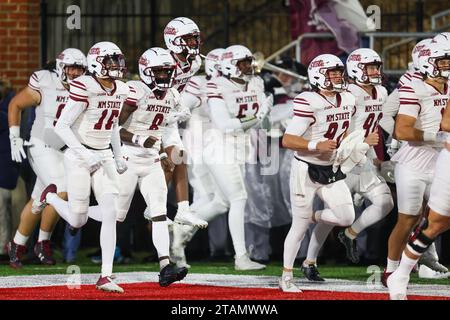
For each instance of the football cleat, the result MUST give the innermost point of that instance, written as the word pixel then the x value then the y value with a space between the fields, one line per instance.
pixel 431 261
pixel 15 253
pixel 428 273
pixel 188 218
pixel 286 284
pixel 171 273
pixel 43 251
pixel 384 277
pixel 350 247
pixel 244 263
pixel 397 285
pixel 312 273
pixel 108 285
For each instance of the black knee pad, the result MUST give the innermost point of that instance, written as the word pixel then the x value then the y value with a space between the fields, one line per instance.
pixel 418 243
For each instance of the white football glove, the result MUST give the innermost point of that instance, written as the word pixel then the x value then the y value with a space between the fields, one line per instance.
pixel 121 165
pixel 17 144
pixel 171 118
pixel 264 109
pixel 93 161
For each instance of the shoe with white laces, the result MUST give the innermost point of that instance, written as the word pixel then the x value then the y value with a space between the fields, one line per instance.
pixel 431 261
pixel 187 217
pixel 107 284
pixel 428 273
pixel 286 284
pixel 397 285
pixel 244 263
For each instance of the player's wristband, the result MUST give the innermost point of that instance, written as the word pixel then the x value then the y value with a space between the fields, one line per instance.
pixel 139 140
pixel 163 156
pixel 312 145
pixel 429 136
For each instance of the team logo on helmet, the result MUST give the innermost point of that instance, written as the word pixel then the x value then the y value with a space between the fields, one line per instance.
pixel 170 30
pixel 425 53
pixel 227 55
pixel 213 57
pixel 354 57
pixel 418 48
pixel 143 61
pixel 316 64
pixel 94 51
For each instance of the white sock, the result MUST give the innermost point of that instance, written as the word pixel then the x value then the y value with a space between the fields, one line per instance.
pixel 20 238
pixel 406 265
pixel 210 211
pixel 294 240
pixel 318 237
pixel 236 226
pixel 160 237
pixel 183 206
pixel 43 235
pixel 349 235
pixel 60 205
pixel 95 213
pixel 392 265
pixel 287 274
pixel 163 263
pixel 108 233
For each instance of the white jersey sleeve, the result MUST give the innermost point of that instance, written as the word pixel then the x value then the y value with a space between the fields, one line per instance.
pixel 409 102
pixel 303 117
pixel 35 80
pixel 136 93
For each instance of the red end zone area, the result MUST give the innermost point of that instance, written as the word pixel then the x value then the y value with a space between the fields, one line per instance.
pixel 152 291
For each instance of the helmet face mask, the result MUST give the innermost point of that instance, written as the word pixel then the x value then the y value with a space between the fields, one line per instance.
pixel 334 79
pixel 442 66
pixel 106 61
pixel 434 62
pixel 364 66
pixel 114 65
pixel 162 76
pixel 182 36
pixel 70 64
pixel 372 73
pixel 157 69
pixel 238 63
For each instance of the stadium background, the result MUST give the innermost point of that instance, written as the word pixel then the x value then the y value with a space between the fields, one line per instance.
pixel 32 32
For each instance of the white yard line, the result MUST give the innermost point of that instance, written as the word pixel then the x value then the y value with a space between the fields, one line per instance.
pixel 241 281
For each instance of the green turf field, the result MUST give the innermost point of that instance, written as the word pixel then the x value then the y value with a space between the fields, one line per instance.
pixel 273 269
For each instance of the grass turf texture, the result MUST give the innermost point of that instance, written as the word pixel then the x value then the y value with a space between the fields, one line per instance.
pixel 273 269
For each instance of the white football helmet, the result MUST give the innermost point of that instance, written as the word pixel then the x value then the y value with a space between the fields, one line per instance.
pixel 357 63
pixel 443 37
pixel 69 57
pixel 318 72
pixel 157 68
pixel 428 58
pixel 415 52
pixel 230 58
pixel 105 60
pixel 213 62
pixel 175 34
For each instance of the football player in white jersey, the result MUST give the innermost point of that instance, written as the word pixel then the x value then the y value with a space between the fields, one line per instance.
pixel 89 127
pixel 182 38
pixel 390 108
pixel 321 120
pixel 142 119
pixel 49 91
pixel 438 216
pixel 364 69
pixel 422 103
pixel 207 197
pixel 236 103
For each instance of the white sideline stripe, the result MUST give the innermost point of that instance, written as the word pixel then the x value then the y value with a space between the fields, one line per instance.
pixel 241 281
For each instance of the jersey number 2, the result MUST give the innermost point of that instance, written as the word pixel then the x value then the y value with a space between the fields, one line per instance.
pixel 332 130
